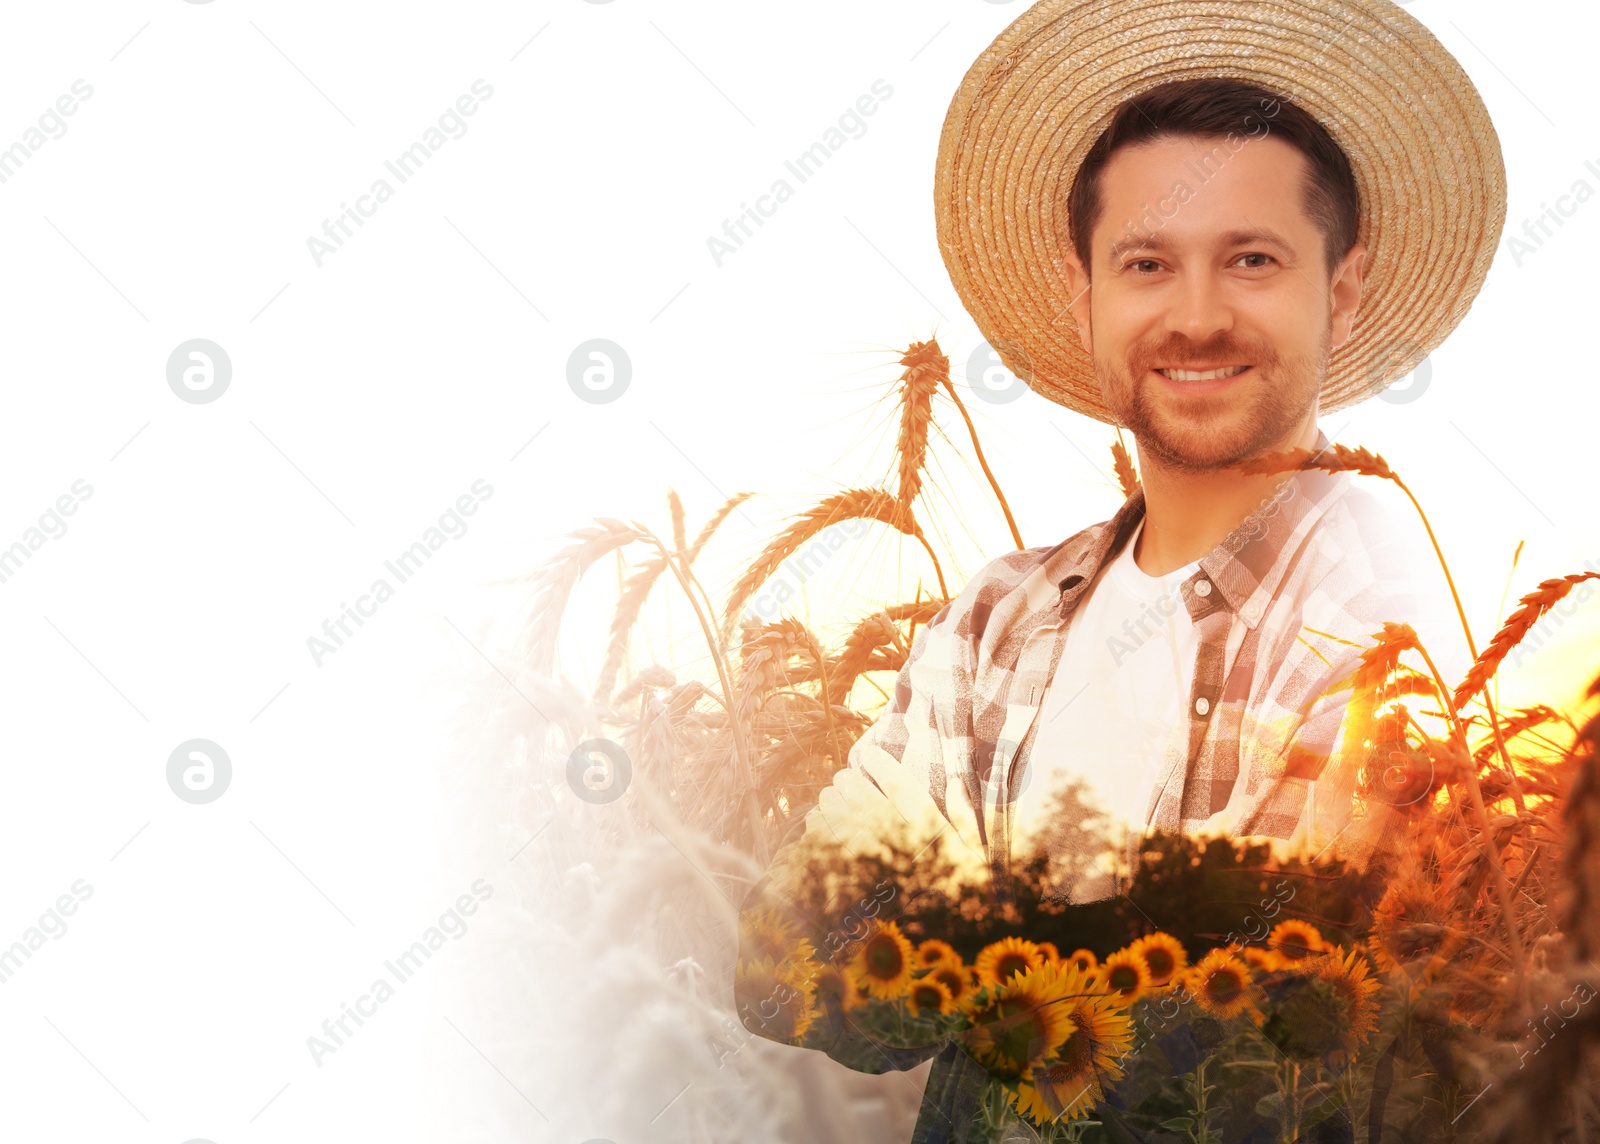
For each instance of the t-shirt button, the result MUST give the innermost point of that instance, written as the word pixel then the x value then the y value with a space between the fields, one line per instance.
pixel 1202 705
pixel 1202 587
pixel 1252 612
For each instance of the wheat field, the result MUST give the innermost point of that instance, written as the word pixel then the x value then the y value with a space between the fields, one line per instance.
pixel 610 981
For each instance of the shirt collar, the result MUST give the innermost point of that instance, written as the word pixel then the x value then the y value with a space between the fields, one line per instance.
pixel 1245 569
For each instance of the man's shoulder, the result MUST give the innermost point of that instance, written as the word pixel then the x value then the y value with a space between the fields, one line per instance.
pixel 1374 563
pixel 1025 578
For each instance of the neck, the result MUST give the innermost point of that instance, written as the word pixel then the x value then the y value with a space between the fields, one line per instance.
pixel 1187 514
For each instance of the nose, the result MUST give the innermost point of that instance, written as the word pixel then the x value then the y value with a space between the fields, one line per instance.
pixel 1199 308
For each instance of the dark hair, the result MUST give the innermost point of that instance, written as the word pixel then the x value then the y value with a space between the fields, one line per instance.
pixel 1216 108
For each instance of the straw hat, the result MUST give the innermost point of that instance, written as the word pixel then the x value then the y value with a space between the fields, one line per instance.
pixel 1426 160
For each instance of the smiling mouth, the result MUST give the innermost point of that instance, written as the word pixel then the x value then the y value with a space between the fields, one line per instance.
pixel 1202 375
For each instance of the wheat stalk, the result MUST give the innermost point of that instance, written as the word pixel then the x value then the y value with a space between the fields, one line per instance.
pixel 1581 922
pixel 675 507
pixel 554 581
pixel 1127 475
pixel 876 631
pixel 1335 458
pixel 1525 1112
pixel 863 504
pixel 925 366
pixel 983 462
pixel 1343 458
pixel 1515 724
pixel 1530 608
pixel 710 527
pixel 630 602
pixel 741 757
pixel 1382 657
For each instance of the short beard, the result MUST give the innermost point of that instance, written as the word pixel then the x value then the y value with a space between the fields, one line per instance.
pixel 1284 390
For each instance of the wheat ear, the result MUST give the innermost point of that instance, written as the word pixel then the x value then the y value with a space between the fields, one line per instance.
pixel 1530 608
pixel 925 366
pixel 1342 458
pixel 675 507
pixel 1127 475
pixel 554 581
pixel 863 504
pixel 630 602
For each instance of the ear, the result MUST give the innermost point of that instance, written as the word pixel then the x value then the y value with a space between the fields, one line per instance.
pixel 1344 293
pixel 1078 298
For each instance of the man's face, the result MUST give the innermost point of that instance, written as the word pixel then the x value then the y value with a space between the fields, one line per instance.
pixel 1225 271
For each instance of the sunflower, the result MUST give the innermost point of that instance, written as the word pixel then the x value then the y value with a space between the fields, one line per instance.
pixel 833 982
pixel 1083 959
pixel 1295 940
pixel 1072 1082
pixel 761 986
pixel 1345 971
pixel 935 952
pixel 1323 1006
pixel 1050 952
pixel 1013 1029
pixel 1258 959
pixel 957 979
pixel 1409 923
pixel 1009 956
pixel 1126 973
pixel 930 994
pixel 1219 984
pixel 766 933
pixel 1164 956
pixel 883 965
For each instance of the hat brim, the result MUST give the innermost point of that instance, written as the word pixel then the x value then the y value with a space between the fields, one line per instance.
pixel 1426 159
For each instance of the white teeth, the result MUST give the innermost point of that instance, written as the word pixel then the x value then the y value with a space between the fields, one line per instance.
pixel 1208 375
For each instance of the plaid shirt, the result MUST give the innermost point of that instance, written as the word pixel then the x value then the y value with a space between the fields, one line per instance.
pixel 1283 607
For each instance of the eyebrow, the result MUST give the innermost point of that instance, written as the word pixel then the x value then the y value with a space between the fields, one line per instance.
pixel 1156 242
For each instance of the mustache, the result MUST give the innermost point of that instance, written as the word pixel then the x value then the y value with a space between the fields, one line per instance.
pixel 1181 352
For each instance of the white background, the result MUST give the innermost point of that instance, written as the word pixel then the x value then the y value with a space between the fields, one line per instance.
pixel 370 392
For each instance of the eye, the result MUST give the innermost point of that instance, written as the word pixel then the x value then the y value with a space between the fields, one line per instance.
pixel 1144 265
pixel 1265 258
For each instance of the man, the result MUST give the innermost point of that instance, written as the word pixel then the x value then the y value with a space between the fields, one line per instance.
pixel 1206 222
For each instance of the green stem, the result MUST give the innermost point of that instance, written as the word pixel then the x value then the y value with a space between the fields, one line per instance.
pixel 1291 1102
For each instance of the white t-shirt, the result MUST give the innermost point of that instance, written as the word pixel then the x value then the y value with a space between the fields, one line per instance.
pixel 1113 713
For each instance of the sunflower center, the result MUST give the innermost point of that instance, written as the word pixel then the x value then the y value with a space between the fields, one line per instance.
pixel 1224 986
pixel 1123 978
pixel 883 960
pixel 1076 1055
pixel 1160 961
pixel 1011 964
